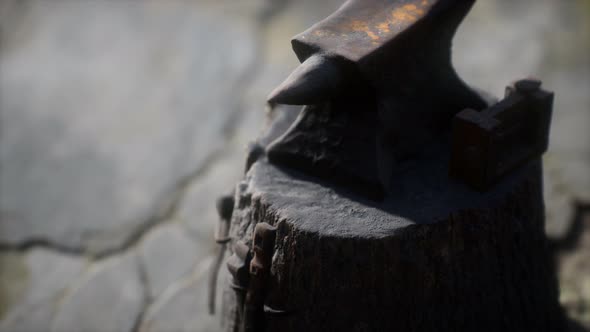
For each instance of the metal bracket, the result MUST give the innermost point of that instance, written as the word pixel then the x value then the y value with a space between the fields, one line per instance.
pixel 225 208
pixel 263 248
pixel 238 265
pixel 487 145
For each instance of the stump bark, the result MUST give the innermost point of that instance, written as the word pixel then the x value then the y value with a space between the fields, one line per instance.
pixel 434 256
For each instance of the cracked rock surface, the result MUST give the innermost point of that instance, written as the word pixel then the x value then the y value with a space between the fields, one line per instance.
pixel 121 123
pixel 37 281
pixel 169 312
pixel 108 298
pixel 164 258
pixel 107 106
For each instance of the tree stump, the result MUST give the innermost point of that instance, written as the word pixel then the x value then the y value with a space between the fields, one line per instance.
pixel 434 256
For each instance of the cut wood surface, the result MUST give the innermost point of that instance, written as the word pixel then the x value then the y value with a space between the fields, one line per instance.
pixel 435 256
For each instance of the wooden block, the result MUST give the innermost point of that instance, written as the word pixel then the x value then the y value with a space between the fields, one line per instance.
pixel 434 256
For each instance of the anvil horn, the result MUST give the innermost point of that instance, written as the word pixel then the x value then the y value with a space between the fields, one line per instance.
pixel 313 82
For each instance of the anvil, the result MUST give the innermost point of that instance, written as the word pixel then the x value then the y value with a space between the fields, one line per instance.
pixel 378 82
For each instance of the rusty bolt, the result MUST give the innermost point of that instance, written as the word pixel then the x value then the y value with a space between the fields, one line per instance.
pixel 264 238
pixel 238 265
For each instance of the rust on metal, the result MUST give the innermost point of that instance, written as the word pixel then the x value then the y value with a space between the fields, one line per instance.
pixel 264 238
pixel 369 40
pixel 359 28
pixel 489 144
pixel 238 265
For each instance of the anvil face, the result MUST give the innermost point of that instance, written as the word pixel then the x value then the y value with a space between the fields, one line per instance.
pixel 360 27
pixel 403 45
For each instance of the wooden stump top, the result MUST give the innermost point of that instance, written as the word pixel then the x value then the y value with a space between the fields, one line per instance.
pixel 435 256
pixel 423 194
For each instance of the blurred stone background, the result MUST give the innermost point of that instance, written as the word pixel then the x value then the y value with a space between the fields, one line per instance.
pixel 122 121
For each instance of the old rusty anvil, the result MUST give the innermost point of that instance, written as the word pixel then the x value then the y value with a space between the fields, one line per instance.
pixel 378 84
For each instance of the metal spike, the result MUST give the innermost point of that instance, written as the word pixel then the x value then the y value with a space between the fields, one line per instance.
pixel 316 80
